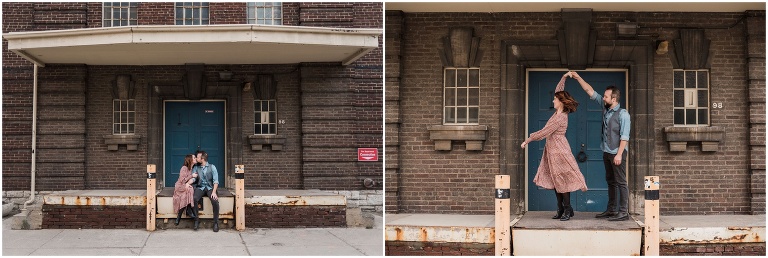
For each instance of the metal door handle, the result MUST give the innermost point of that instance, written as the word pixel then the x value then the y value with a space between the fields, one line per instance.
pixel 582 156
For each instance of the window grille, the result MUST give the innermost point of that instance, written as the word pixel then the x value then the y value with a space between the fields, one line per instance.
pixel 461 96
pixel 119 14
pixel 691 97
pixel 268 13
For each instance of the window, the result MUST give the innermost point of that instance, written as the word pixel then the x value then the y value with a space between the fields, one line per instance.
pixel 270 13
pixel 189 13
pixel 691 97
pixel 120 14
pixel 462 95
pixel 124 118
pixel 265 116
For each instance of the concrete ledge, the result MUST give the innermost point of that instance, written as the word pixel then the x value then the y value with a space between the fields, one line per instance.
pixel 440 228
pixel 293 198
pixel 97 197
pixel 712 229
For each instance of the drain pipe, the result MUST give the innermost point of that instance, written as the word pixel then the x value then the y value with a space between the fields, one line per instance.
pixel 34 138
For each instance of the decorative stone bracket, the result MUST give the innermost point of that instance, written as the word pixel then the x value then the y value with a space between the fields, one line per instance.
pixel 473 135
pixel 678 137
pixel 131 141
pixel 257 141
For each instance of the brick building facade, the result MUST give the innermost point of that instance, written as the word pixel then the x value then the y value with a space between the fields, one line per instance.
pixel 326 108
pixel 437 167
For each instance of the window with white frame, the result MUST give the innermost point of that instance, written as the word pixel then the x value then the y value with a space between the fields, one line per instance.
pixel 691 97
pixel 192 13
pixel 269 13
pixel 265 116
pixel 119 14
pixel 124 116
pixel 461 95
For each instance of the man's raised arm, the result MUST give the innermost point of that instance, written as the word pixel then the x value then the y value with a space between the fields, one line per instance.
pixel 584 85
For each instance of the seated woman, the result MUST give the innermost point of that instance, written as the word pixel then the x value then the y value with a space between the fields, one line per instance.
pixel 183 192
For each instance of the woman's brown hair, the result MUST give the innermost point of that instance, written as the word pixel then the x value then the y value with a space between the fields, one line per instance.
pixel 569 104
pixel 188 161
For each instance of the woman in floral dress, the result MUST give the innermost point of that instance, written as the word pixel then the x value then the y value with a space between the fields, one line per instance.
pixel 558 169
pixel 183 191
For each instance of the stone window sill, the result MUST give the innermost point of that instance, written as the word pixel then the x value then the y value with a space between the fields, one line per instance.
pixel 257 141
pixel 131 141
pixel 474 136
pixel 679 137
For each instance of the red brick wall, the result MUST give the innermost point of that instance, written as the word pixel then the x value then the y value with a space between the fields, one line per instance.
pixel 156 13
pixel 398 248
pixel 257 216
pixel 121 169
pixel 458 181
pixel 732 249
pixel 228 13
pixel 267 169
pixel 696 182
pixel 94 217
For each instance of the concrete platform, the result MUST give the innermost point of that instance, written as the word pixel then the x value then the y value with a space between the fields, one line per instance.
pixel 530 230
pixel 710 229
pixel 440 228
pixel 292 197
pixel 97 197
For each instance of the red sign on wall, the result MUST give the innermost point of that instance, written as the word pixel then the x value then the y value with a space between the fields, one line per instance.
pixel 367 154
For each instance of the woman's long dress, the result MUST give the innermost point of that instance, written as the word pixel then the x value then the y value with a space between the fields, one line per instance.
pixel 182 196
pixel 558 169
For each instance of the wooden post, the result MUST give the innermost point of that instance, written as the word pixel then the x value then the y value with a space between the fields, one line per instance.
pixel 151 206
pixel 503 236
pixel 239 198
pixel 651 216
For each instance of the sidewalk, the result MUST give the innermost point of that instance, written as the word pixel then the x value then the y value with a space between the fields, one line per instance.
pixel 204 242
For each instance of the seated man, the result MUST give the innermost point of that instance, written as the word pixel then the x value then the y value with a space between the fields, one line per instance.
pixel 209 182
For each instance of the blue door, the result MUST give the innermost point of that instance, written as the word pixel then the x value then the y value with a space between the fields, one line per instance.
pixel 584 130
pixel 192 126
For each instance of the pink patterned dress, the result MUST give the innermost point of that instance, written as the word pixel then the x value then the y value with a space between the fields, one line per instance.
pixel 558 169
pixel 181 194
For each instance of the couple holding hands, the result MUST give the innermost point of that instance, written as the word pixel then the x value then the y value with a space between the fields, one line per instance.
pixel 558 169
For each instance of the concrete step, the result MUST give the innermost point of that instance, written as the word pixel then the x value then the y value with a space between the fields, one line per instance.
pixel 31 218
pixel 536 233
pixel 226 205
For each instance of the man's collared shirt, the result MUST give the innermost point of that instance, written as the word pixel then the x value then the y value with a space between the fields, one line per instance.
pixel 206 171
pixel 624 124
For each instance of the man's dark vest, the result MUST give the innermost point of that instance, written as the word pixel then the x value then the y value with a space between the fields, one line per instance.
pixel 614 129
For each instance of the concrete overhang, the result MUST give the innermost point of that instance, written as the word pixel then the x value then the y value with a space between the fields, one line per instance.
pixel 208 44
pixel 545 6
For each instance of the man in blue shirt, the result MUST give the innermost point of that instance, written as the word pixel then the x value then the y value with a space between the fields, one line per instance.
pixel 615 136
pixel 208 184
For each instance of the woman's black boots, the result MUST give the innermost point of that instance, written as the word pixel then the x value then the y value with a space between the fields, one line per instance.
pixel 567 214
pixel 559 205
pixel 191 212
pixel 178 217
pixel 559 213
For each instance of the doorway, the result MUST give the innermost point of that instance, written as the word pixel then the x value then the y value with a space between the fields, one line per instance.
pixel 189 127
pixel 583 134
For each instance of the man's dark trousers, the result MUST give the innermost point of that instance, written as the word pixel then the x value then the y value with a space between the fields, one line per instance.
pixel 215 203
pixel 616 177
